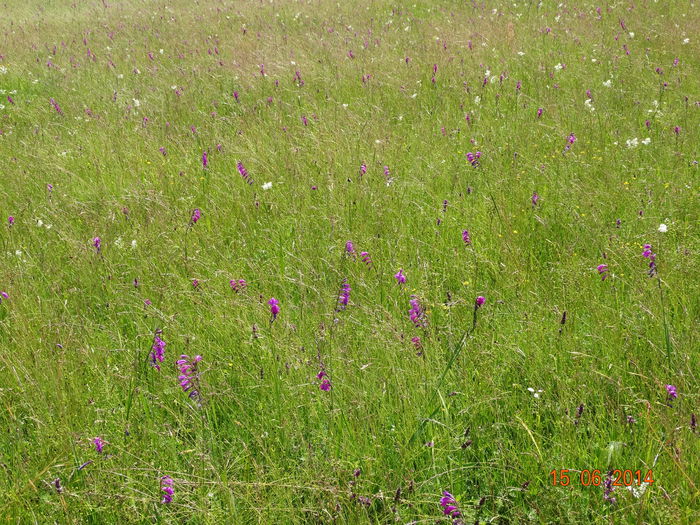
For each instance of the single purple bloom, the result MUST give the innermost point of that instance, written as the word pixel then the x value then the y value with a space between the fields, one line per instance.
pixel 400 277
pixel 157 350
pixel 196 215
pixel 480 300
pixel 11 220
pixel 97 243
pixel 162 150
pixel 386 171
pixel 677 130
pixel 539 112
pixel 535 198
pixel 4 295
pixel 244 173
pixel 363 169
pixel 235 95
pixel 99 444
pixel 325 384
pixel 195 283
pixel 603 271
pixel 571 139
pixel 350 248
pixel 49 187
pixel 205 160
pixel 672 393
pixel 274 308
pixel 466 238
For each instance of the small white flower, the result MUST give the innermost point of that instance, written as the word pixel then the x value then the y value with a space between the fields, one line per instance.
pixel 589 104
pixel 631 34
pixel 160 51
pixel 594 60
pixel 477 100
pixel 39 223
pixel 414 95
pixel 646 141
pixel 293 63
pixel 686 41
pixel 267 186
pixel 133 244
pixel 607 83
pixel 633 143
pixel 3 70
pixel 345 106
pixel 18 253
pixel 118 242
pixel 137 102
pixel 2 106
pixel 521 53
pixel 120 76
pixel 663 228
pixel 558 67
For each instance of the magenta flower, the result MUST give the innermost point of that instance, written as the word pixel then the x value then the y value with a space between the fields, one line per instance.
pixel 99 444
pixel 449 505
pixel 466 238
pixel 416 313
pixel 416 342
pixel 237 285
pixel 205 160
pixel 166 487
pixel 344 296
pixel 56 106
pixel 363 169
pixel 386 171
pixel 366 258
pixel 325 384
pixel 196 215
pixel 672 393
pixel 274 308
pixel 235 95
pixel 571 139
pixel 244 173
pixel 539 112
pixel 157 351
pixel 188 374
pixel 480 300
pixel 473 158
pixel 649 254
pixel 11 220
pixel 97 243
pixel 603 271
pixel 195 283
pixel 350 248
pixel 4 295
pixel 400 277
pixel 535 198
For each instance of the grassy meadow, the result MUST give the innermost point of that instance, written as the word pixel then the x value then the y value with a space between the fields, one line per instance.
pixel 478 222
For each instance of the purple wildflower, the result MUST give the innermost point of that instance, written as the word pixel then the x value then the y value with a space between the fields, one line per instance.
pixel 195 283
pixel 672 393
pixel 366 258
pixel 535 198
pixel 244 173
pixel 480 300
pixel 416 313
pixel 157 351
pixel 473 158
pixel 344 296
pixel 325 384
pixel 363 169
pixel 97 243
pixel 386 171
pixel 466 238
pixel 99 444
pixel 166 487
pixel 539 112
pixel 608 488
pixel 237 285
pixel 205 160
pixel 188 374
pixel 603 271
pixel 416 342
pixel 449 505
pixel 235 95
pixel 400 277
pixel 649 254
pixel 11 220
pixel 304 120
pixel 56 106
pixel 274 308
pixel 196 215
pixel 162 150
pixel 4 295
pixel 350 248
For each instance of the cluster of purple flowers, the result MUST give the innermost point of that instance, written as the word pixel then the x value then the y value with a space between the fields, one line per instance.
pixel 196 215
pixel 325 381
pixel 649 254
pixel 473 158
pixel 466 238
pixel 416 313
pixel 366 258
pixel 603 271
pixel 449 505
pixel 99 444
pixel 166 487
pixel 244 173
pixel 400 277
pixel 188 374
pixel 344 296
pixel 157 352
pixel 274 308
pixel 237 285
pixel 97 243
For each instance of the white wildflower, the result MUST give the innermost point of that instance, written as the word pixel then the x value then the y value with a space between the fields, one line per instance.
pixel 646 141
pixel 633 143
pixel 267 186
pixel 607 83
pixel 663 228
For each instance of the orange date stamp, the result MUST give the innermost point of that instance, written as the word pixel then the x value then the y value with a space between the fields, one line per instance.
pixel 596 478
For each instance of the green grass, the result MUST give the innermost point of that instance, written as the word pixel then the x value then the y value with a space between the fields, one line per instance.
pixel 266 445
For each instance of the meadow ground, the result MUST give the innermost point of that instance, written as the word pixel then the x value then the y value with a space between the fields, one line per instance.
pixel 380 170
